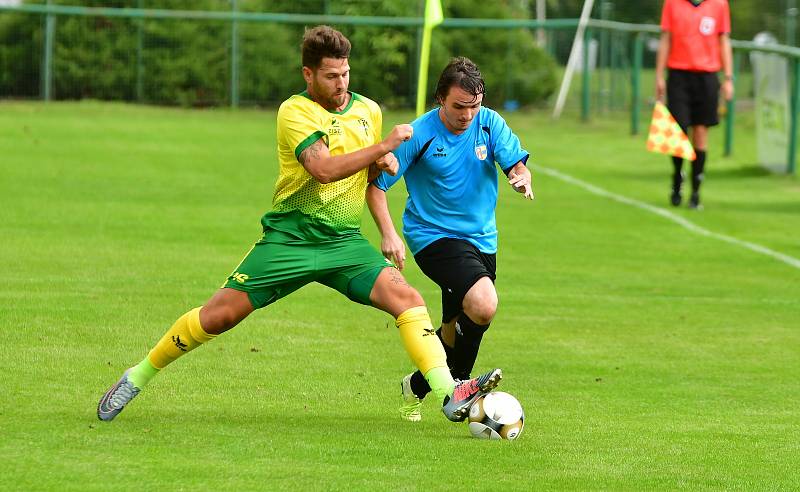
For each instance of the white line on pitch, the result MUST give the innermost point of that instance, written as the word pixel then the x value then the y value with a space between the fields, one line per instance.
pixel 789 260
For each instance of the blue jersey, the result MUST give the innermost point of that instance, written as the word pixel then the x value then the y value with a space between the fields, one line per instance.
pixel 452 179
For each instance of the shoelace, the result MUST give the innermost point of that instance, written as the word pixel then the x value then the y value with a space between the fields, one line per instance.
pixel 123 395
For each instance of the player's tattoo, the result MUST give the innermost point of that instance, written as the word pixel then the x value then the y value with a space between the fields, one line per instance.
pixel 397 278
pixel 311 153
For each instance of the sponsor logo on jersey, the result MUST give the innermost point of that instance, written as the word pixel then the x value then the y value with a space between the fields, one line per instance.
pixel 240 277
pixel 335 128
pixel 440 152
pixel 480 152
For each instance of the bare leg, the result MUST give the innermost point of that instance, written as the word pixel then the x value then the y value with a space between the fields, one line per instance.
pixel 225 309
pixel 391 293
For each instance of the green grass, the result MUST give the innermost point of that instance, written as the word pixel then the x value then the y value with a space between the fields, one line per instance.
pixel 646 356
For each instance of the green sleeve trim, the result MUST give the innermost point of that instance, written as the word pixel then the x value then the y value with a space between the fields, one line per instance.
pixel 307 142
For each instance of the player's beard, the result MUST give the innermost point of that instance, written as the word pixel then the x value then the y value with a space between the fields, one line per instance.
pixel 339 99
pixel 333 100
pixel 456 123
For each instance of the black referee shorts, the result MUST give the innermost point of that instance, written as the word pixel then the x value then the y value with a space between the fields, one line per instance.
pixel 693 98
pixel 455 265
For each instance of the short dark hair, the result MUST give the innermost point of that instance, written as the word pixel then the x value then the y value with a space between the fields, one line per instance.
pixel 323 42
pixel 463 72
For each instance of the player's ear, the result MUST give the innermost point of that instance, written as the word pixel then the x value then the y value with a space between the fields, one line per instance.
pixel 308 74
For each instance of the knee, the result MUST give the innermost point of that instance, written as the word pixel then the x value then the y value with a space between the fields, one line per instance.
pixel 215 319
pixel 482 311
pixel 411 298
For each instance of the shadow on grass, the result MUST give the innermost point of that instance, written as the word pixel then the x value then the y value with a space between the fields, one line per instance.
pixel 747 171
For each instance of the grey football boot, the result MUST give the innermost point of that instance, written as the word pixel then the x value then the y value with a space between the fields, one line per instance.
pixel 116 398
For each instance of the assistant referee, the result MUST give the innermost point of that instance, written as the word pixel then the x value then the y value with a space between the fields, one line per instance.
pixel 695 46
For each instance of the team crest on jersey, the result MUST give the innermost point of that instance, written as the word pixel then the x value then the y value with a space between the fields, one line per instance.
pixel 365 125
pixel 707 25
pixel 480 152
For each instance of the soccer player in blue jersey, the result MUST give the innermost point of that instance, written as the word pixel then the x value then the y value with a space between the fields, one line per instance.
pixel 450 171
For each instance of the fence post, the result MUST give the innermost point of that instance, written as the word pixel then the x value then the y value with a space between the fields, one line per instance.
pixel 234 56
pixel 731 106
pixel 791 22
pixel 790 165
pixel 602 61
pixel 587 35
pixel 636 72
pixel 614 62
pixel 139 61
pixel 47 62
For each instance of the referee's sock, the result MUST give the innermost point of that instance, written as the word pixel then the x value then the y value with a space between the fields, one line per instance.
pixel 698 170
pixel 677 174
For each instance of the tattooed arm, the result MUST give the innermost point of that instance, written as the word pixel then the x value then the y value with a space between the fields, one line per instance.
pixel 327 168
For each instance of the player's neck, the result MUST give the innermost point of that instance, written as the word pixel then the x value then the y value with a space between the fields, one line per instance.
pixel 327 104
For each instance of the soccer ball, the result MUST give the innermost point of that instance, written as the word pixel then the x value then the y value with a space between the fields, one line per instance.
pixel 497 415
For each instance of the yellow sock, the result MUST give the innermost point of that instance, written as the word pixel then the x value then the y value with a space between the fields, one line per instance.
pixel 185 335
pixel 425 349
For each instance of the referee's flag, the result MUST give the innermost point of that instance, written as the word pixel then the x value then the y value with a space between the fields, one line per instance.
pixel 666 136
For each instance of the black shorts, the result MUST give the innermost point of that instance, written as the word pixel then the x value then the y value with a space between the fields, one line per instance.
pixel 692 98
pixel 455 265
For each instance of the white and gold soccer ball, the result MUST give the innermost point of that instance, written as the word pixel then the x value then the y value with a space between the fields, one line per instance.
pixel 497 415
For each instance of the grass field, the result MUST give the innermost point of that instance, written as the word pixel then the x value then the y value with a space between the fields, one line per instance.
pixel 646 356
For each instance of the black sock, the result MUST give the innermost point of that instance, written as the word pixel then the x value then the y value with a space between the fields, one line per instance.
pixel 419 385
pixel 698 168
pixel 677 174
pixel 468 342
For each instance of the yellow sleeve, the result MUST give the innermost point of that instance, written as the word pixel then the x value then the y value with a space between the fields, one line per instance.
pixel 299 126
pixel 377 117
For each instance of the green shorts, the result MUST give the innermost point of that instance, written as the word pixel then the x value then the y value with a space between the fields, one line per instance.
pixel 280 263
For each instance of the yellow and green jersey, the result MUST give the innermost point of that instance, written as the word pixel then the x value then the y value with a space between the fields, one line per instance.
pixel 302 206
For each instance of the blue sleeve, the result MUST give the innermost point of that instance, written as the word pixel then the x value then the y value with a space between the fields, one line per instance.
pixel 405 155
pixel 507 148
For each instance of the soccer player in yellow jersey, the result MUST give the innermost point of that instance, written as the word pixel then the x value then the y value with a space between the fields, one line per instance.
pixel 328 139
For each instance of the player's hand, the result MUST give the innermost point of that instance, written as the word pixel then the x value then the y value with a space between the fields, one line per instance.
pixel 727 89
pixel 520 179
pixel 393 248
pixel 388 163
pixel 661 89
pixel 398 135
pixel 373 172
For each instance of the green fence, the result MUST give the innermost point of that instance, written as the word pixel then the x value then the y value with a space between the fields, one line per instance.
pixel 130 48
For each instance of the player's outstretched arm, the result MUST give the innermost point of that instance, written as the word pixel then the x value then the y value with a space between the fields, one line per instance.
pixel 392 246
pixel 327 168
pixel 519 177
